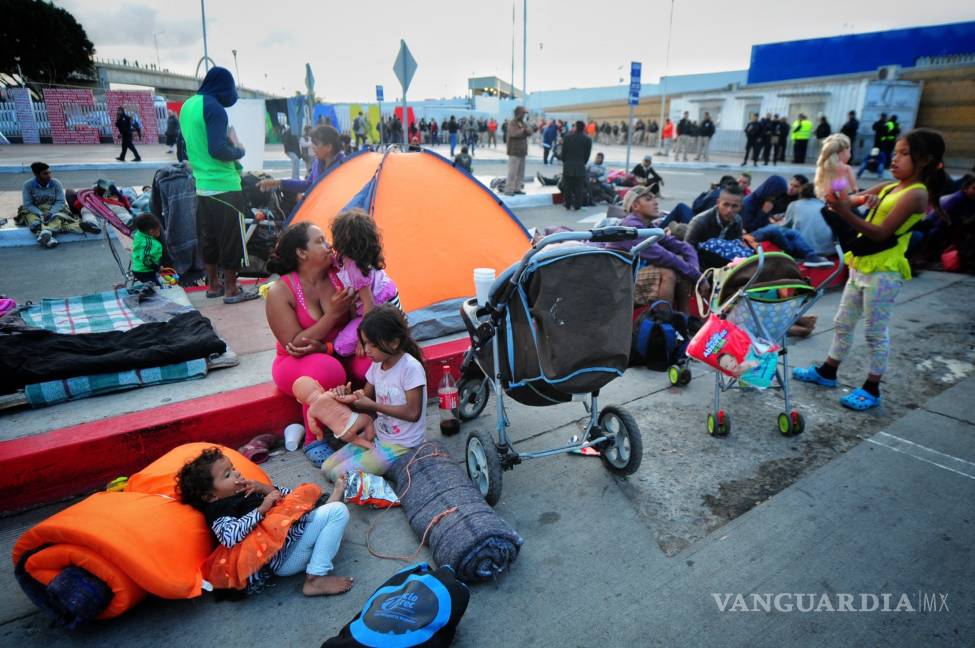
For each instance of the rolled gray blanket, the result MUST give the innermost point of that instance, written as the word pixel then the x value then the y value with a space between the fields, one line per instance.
pixel 474 540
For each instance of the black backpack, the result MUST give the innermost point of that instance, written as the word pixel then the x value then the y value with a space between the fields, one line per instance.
pixel 660 337
pixel 417 606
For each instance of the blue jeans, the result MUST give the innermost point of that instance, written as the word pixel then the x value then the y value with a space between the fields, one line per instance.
pixel 789 240
pixel 314 550
pixel 453 144
pixel 681 213
pixel 295 165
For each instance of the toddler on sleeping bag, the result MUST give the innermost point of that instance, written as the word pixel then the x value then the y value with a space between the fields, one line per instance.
pixel 264 530
pixel 359 261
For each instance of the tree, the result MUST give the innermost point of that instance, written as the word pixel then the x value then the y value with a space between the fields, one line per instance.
pixel 52 46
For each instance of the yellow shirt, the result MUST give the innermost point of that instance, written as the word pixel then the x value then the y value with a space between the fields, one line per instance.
pixel 892 259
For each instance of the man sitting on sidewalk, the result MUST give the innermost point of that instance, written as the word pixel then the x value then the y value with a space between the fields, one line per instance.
pixel 44 209
pixel 669 268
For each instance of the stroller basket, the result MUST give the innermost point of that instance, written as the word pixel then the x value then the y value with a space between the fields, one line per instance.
pixel 564 327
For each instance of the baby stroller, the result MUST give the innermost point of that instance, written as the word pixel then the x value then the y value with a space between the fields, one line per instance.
pixel 556 327
pixel 764 294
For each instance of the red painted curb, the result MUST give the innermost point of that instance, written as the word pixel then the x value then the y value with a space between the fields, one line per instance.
pixel 70 461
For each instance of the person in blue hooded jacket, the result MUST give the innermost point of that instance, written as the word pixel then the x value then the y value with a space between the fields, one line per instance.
pixel 213 150
pixel 549 137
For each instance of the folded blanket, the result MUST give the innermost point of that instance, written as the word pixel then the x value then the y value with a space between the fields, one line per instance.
pixel 474 540
pixel 38 356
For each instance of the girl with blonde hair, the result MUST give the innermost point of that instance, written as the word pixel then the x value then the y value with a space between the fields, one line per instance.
pixel 833 173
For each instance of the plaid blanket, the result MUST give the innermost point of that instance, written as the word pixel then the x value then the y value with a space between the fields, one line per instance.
pixel 96 313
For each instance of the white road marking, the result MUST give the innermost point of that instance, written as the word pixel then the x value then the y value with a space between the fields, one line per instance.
pixel 923 453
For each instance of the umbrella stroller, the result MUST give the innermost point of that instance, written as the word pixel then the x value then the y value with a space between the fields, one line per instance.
pixel 556 327
pixel 764 294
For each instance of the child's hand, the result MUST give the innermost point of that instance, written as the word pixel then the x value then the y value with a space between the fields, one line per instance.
pixel 338 493
pixel 250 486
pixel 269 500
pixel 342 390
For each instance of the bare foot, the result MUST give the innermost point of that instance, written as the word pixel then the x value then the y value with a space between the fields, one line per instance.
pixel 326 585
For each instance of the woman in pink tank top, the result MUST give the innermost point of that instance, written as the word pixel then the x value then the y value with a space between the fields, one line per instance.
pixel 305 311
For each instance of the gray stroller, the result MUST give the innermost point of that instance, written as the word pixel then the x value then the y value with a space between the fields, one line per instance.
pixel 557 327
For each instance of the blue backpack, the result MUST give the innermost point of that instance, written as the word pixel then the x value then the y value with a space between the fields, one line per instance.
pixel 660 337
pixel 417 606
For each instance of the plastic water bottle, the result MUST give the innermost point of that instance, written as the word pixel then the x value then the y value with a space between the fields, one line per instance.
pixel 449 401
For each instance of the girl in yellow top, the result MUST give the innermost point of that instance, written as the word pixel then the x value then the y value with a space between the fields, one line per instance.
pixel 876 279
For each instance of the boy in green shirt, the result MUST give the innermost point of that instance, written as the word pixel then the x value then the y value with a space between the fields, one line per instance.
pixel 147 249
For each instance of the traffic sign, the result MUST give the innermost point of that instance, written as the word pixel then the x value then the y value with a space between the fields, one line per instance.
pixel 405 66
pixel 379 93
pixel 635 69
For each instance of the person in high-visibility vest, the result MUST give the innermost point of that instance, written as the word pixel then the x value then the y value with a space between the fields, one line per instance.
pixel 889 132
pixel 801 132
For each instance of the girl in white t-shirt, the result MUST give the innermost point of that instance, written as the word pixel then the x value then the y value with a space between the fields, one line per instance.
pixel 395 393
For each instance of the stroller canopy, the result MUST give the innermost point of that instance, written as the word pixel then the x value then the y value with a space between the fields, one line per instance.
pixel 437 223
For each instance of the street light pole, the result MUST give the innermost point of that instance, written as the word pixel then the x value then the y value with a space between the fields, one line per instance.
pixel 524 52
pixel 206 54
pixel 663 78
pixel 236 69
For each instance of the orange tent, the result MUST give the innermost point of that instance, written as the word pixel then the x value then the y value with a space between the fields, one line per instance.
pixel 437 223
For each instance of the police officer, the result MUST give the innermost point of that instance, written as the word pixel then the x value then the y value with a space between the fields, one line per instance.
pixel 801 132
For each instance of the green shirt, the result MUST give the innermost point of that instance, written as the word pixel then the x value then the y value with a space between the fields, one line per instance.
pixel 211 175
pixel 146 252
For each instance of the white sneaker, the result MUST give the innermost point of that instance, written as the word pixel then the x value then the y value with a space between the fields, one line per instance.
pixel 294 434
pixel 46 239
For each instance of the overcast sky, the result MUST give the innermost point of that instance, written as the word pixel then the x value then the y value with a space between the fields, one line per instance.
pixel 571 43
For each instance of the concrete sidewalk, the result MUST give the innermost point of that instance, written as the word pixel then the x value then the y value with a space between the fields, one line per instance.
pixel 890 516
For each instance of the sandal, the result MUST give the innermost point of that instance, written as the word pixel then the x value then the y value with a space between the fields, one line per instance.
pixel 241 296
pixel 213 294
pixel 860 400
pixel 810 375
pixel 317 452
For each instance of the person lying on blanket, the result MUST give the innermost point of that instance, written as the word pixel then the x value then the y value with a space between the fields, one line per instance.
pixel 45 210
pixel 249 553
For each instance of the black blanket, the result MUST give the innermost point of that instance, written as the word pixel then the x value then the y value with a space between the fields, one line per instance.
pixel 40 355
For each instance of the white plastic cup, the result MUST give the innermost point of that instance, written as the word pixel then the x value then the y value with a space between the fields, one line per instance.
pixel 483 280
pixel 294 434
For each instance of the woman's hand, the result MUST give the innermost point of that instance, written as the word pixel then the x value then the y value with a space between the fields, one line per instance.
pixel 268 185
pixel 341 301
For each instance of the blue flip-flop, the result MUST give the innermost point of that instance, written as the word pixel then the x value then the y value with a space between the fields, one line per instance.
pixel 811 375
pixel 317 452
pixel 860 400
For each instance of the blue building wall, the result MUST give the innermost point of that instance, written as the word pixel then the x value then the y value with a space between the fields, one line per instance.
pixel 817 57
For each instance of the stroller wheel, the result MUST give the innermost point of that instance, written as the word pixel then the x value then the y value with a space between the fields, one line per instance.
pixel 484 465
pixel 679 376
pixel 623 451
pixel 791 424
pixel 720 425
pixel 472 398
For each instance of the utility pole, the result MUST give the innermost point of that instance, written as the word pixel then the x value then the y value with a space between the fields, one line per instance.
pixel 236 69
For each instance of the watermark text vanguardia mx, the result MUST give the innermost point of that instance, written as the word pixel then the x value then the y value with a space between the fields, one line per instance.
pixel 919 601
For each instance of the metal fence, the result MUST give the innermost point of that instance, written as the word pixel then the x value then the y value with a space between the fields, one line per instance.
pixel 94 116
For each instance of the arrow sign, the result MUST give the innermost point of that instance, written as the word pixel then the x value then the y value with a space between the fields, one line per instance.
pixel 405 66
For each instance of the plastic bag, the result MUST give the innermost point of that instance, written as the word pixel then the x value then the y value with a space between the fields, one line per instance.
pixel 365 489
pixel 734 352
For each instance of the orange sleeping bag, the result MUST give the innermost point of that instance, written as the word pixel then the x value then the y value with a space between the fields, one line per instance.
pixel 139 541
